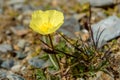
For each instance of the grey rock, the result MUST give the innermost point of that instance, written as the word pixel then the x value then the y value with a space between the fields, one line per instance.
pixel 1 3
pixel 14 77
pixel 70 26
pixel 19 30
pixel 83 1
pixel 36 62
pixel 1 6
pixel 20 55
pixel 7 64
pixel 21 43
pixel 5 47
pixel 101 14
pixel 11 2
pixel 100 3
pixel 16 28
pixel 1 11
pixel 108 28
pixel 3 74
pixel 18 6
pixel 16 68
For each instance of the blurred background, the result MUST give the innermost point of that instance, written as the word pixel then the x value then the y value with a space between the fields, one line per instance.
pixel 18 43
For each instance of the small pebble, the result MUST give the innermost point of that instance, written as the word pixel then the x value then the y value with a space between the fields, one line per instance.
pixel 7 64
pixel 5 48
pixel 36 62
pixel 21 43
pixel 16 68
pixel 3 74
pixel 14 77
pixel 20 55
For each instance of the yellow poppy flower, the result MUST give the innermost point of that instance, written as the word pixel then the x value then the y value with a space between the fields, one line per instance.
pixel 46 22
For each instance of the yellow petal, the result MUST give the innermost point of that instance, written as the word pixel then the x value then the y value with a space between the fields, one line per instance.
pixel 46 22
pixel 55 28
pixel 55 17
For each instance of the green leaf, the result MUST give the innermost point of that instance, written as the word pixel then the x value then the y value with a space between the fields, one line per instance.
pixel 40 75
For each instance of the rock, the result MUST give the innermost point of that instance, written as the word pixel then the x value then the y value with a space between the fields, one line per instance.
pixel 36 62
pixel 98 14
pixel 5 48
pixel 7 64
pixel 83 1
pixel 19 30
pixel 20 55
pixel 70 26
pixel 21 43
pixel 110 28
pixel 1 3
pixel 12 2
pixel 18 6
pixel 14 77
pixel 101 3
pixel 3 74
pixel 25 16
pixel 1 11
pixel 16 68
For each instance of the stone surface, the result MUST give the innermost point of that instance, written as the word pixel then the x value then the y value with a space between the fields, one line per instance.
pixel 100 3
pixel 14 77
pixel 19 30
pixel 5 47
pixel 11 2
pixel 1 3
pixel 110 28
pixel 21 43
pixel 36 62
pixel 16 68
pixel 3 74
pixel 7 64
pixel 70 26
pixel 15 34
pixel 20 55
pixel 83 1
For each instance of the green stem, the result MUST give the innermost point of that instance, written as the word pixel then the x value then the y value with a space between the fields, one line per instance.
pixel 50 56
pixel 51 59
pixel 53 51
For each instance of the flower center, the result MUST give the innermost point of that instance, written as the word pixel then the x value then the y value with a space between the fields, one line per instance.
pixel 45 27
